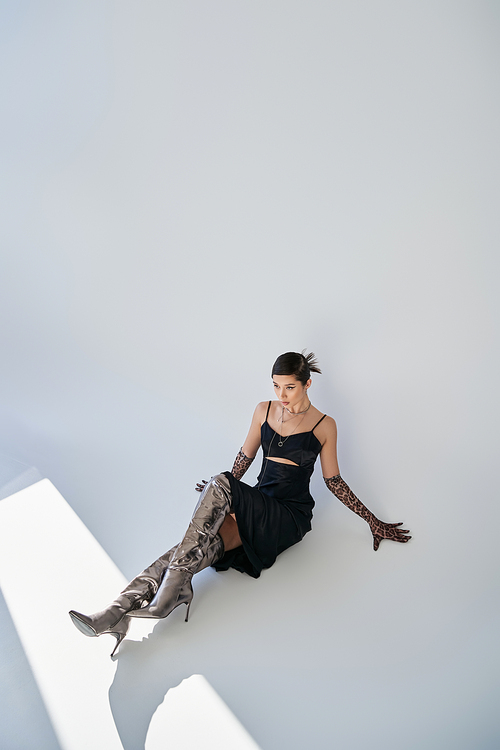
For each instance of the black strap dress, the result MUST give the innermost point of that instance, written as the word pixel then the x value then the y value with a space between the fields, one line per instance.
pixel 277 512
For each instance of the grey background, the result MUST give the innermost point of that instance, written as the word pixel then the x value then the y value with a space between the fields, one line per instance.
pixel 190 189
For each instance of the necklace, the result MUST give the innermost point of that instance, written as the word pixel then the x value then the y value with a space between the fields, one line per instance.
pixel 296 413
pixel 282 442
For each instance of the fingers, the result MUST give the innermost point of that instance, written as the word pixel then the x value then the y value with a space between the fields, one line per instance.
pixel 200 486
pixel 398 537
pixel 392 533
pixel 390 529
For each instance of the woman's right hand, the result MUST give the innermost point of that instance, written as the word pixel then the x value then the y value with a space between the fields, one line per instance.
pixel 201 486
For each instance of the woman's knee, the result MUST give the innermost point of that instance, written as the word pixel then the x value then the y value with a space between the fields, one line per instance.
pixel 221 479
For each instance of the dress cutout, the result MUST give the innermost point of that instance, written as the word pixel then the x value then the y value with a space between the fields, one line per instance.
pixel 277 512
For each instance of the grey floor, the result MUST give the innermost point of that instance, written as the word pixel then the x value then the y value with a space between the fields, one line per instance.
pixel 189 190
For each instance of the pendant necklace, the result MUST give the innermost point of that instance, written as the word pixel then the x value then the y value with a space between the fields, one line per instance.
pixel 282 441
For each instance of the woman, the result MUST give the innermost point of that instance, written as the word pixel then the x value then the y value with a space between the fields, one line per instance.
pixel 235 525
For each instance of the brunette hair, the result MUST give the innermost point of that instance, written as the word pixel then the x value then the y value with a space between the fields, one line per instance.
pixel 298 365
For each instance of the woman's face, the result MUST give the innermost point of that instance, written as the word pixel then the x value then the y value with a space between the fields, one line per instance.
pixel 290 391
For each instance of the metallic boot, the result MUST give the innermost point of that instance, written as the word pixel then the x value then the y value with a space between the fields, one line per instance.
pixel 201 547
pixel 140 590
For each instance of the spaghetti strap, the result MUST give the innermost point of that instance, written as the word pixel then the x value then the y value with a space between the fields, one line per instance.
pixel 317 423
pixel 267 412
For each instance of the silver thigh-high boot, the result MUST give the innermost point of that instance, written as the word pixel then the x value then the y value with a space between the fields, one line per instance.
pixel 201 547
pixel 140 590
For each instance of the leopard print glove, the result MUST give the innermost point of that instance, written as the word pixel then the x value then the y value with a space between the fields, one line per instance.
pixel 241 465
pixel 379 529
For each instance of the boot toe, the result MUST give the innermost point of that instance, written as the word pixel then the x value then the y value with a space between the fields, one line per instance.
pixel 80 621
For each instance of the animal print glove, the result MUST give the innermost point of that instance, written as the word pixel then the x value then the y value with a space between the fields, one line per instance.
pixel 379 529
pixel 241 465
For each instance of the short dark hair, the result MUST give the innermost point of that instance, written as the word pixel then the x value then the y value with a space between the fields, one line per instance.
pixel 298 365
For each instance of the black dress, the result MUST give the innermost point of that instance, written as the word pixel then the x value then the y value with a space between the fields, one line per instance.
pixel 277 512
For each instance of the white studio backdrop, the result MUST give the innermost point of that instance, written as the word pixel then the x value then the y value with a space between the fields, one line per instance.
pixel 191 189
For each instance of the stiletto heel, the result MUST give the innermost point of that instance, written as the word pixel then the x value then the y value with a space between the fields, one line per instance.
pixel 175 589
pixel 187 610
pixel 84 624
pixel 119 638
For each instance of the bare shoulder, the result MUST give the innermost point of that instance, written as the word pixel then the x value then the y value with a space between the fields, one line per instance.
pixel 260 411
pixel 326 431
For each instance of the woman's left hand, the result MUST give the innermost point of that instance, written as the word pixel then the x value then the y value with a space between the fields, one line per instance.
pixel 381 530
pixel 200 486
